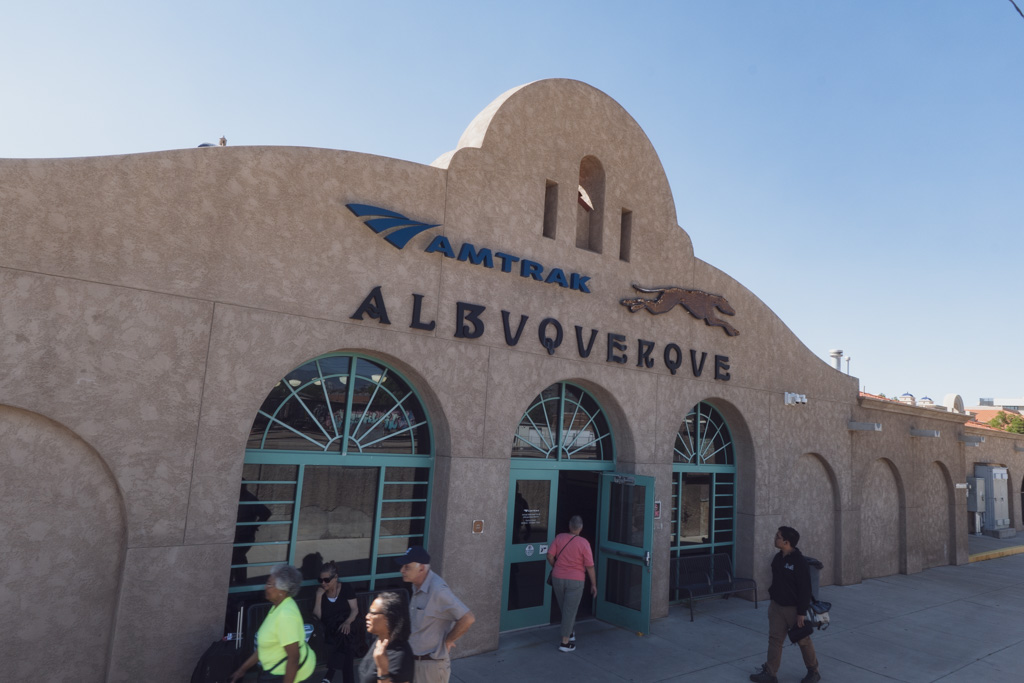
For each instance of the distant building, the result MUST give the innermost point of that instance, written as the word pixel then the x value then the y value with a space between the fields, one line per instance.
pixel 1006 403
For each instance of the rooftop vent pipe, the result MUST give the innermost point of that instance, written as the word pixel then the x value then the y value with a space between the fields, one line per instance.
pixel 837 359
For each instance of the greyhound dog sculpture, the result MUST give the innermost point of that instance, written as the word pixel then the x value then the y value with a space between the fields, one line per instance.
pixel 700 305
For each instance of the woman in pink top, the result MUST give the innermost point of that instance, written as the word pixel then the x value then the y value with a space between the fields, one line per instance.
pixel 573 561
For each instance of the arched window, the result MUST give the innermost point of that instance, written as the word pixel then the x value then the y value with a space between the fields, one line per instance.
pixel 563 423
pixel 339 463
pixel 703 438
pixel 703 485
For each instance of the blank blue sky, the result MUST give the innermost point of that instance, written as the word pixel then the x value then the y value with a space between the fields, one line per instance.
pixel 858 165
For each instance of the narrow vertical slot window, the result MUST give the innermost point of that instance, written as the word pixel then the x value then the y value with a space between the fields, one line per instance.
pixel 550 209
pixel 625 235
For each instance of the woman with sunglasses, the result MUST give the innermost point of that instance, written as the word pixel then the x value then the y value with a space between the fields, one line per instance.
pixel 336 607
pixel 390 657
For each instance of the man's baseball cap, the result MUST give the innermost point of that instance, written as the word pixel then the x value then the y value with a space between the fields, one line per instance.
pixel 416 553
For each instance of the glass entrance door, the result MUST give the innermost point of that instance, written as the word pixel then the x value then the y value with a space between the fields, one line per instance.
pixel 624 551
pixel 526 600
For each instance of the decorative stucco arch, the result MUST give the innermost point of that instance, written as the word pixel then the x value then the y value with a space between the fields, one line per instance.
pixel 815 503
pixel 948 522
pixel 64 516
pixel 886 554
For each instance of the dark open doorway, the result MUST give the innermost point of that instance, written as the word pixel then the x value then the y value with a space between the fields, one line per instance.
pixel 577 495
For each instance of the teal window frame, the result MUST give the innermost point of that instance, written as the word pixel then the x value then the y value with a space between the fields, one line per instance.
pixel 691 453
pixel 347 453
pixel 557 443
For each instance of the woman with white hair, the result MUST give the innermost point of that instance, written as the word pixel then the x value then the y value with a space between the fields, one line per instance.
pixel 281 648
pixel 573 562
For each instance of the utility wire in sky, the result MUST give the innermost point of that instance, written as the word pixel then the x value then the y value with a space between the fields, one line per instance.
pixel 1016 8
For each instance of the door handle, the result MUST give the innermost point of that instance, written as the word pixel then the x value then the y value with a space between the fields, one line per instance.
pixel 614 551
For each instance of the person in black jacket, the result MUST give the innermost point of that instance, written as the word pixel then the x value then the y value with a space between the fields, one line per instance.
pixel 790 597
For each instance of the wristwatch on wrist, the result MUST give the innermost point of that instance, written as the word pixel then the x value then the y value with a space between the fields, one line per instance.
pixel 385 677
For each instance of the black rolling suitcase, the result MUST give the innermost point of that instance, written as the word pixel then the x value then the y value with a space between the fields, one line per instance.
pixel 222 658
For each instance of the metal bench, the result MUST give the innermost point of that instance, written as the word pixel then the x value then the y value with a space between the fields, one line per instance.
pixel 707 576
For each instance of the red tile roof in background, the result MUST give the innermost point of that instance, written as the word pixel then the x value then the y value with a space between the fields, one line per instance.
pixel 981 425
pixel 988 414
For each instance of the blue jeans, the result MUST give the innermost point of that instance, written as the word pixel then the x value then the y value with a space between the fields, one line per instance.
pixel 568 592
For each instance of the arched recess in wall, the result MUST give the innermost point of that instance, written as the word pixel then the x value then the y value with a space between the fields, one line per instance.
pixel 1016 520
pixel 811 505
pixel 590 205
pixel 883 520
pixel 1011 500
pixel 339 466
pixel 63 555
pixel 938 517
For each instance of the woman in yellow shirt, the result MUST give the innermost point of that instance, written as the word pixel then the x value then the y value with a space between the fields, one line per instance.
pixel 281 648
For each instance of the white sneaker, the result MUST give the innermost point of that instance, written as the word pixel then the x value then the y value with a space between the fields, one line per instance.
pixel 567 647
pixel 572 637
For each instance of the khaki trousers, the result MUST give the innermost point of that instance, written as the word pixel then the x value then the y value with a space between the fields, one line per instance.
pixel 780 620
pixel 433 670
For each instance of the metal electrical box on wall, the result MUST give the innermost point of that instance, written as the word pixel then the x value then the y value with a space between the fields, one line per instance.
pixel 975 494
pixel 997 510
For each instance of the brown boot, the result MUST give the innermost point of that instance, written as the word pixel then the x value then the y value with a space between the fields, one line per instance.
pixel 763 676
pixel 812 676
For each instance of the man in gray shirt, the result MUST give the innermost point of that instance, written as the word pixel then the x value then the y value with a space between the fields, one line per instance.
pixel 438 618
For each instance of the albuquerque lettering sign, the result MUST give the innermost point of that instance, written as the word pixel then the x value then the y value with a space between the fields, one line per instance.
pixel 472 321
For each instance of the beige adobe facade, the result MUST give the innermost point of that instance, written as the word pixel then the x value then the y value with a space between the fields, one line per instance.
pixel 150 302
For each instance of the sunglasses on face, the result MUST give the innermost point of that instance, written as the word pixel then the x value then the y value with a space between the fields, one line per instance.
pixel 326 580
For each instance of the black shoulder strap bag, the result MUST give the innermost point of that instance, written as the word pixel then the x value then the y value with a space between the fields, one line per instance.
pixel 299 668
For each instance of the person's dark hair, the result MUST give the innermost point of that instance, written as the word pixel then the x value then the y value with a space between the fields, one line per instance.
pixel 329 567
pixel 789 534
pixel 310 566
pixel 396 611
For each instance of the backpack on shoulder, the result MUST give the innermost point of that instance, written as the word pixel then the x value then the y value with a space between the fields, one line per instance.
pixel 817 613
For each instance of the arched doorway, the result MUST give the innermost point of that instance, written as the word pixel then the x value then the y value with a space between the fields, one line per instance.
pixel 338 467
pixel 563 462
pixel 703 485
pixel 561 445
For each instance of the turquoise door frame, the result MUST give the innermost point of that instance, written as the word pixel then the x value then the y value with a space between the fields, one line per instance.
pixel 625 543
pixel 525 598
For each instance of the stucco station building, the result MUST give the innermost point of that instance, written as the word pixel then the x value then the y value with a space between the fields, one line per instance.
pixel 213 360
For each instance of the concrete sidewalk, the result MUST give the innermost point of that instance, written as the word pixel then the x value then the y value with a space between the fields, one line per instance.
pixel 962 624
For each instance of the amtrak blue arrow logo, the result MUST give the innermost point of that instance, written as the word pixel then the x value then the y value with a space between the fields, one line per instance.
pixel 400 230
pixel 380 220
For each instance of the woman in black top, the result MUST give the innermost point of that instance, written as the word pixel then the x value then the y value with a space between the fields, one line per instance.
pixel 390 658
pixel 336 607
